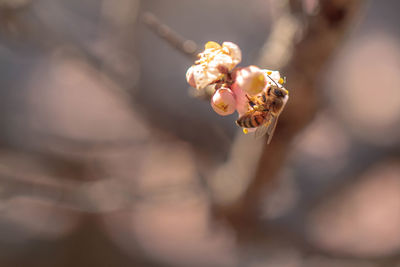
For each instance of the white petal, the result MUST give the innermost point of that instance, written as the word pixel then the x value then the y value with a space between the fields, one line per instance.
pixel 275 75
pixel 200 76
pixel 220 60
pixel 234 52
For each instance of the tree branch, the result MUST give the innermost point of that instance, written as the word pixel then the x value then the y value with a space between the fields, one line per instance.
pixel 187 47
pixel 320 36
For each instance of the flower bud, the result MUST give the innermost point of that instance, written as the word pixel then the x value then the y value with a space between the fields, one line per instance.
pixel 223 102
pixel 251 79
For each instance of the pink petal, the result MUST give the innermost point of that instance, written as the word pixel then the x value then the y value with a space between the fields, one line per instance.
pixel 242 105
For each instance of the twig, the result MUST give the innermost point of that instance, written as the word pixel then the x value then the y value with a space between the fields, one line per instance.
pixel 187 47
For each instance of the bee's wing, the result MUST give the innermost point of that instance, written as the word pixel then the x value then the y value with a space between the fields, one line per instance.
pixel 271 128
pixel 262 130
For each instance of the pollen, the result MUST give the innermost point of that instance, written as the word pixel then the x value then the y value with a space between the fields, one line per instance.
pixel 281 81
pixel 211 45
pixel 245 131
pixel 286 91
pixel 222 106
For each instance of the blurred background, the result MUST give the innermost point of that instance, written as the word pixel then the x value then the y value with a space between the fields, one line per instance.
pixel 107 158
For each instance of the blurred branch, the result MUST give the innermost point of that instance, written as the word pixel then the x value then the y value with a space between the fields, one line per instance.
pixel 316 42
pixel 187 47
pixel 78 183
pixel 97 196
pixel 32 30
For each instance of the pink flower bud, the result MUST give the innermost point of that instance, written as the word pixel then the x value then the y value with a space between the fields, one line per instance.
pixel 251 79
pixel 223 102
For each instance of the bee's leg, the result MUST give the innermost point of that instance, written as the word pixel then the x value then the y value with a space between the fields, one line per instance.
pixel 251 103
pixel 264 98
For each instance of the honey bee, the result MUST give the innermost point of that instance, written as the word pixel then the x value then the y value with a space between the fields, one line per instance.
pixel 264 111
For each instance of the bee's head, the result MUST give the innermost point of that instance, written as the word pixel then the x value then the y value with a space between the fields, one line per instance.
pixel 279 92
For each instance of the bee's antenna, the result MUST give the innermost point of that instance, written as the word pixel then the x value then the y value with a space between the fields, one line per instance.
pixel 273 80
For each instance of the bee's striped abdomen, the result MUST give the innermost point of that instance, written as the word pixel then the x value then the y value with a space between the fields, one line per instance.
pixel 241 121
pixel 258 120
pixel 251 120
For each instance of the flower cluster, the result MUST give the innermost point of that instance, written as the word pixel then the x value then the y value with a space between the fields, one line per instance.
pixel 216 67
